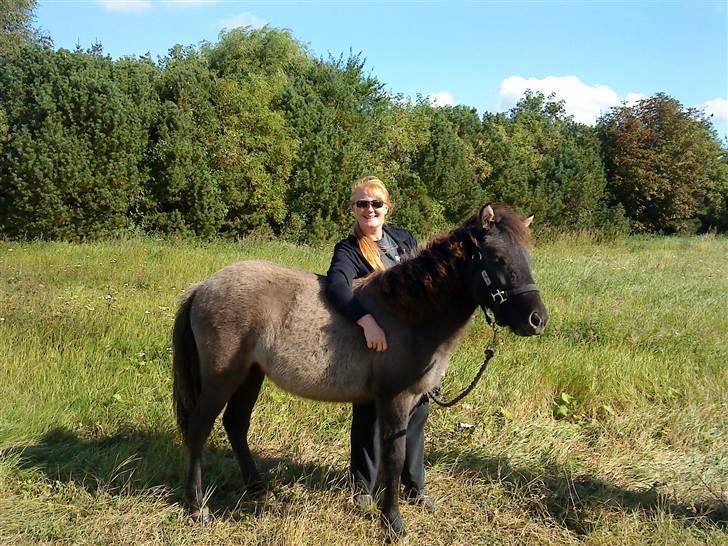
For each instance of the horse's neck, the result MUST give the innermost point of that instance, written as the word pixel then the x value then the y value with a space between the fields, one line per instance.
pixel 450 321
pixel 420 291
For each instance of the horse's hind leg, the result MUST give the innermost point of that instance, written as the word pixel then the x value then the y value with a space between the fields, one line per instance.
pixel 209 405
pixel 237 422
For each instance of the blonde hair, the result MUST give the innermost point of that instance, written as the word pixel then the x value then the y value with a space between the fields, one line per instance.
pixel 366 245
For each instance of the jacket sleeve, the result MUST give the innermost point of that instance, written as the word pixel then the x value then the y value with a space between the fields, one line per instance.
pixel 339 278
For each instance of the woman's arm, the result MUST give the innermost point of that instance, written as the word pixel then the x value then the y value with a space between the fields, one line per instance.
pixel 339 291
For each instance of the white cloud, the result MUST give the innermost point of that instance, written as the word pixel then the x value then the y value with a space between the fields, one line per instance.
pixel 583 101
pixel 718 108
pixel 245 19
pixel 126 6
pixel 633 98
pixel 443 98
pixel 188 2
pixel 140 6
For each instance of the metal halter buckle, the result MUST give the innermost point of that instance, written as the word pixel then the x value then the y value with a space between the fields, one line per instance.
pixel 499 296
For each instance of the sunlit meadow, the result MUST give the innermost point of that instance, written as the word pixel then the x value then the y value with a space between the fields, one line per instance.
pixel 609 429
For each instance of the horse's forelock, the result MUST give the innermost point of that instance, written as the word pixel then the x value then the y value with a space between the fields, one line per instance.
pixel 512 225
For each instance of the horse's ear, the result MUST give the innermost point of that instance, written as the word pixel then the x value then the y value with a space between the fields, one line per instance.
pixel 487 216
pixel 527 221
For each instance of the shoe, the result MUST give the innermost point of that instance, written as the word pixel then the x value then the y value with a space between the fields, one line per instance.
pixel 364 501
pixel 420 497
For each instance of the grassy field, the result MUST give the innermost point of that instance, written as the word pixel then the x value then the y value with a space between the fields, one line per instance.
pixel 611 428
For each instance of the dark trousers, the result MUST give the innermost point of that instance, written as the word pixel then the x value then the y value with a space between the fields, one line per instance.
pixel 365 454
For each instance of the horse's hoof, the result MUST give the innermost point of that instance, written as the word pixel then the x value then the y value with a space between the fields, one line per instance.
pixel 399 540
pixel 256 490
pixel 394 528
pixel 202 516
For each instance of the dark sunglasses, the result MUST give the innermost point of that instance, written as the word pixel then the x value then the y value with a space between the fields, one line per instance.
pixel 364 203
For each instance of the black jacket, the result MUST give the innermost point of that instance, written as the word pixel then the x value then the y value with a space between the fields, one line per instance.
pixel 348 263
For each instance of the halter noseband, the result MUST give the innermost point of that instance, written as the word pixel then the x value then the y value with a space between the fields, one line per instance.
pixel 501 296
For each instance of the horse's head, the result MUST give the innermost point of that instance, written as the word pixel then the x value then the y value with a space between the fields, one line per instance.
pixel 500 273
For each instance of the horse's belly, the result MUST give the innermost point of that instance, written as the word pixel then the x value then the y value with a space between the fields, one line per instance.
pixel 309 379
pixel 318 355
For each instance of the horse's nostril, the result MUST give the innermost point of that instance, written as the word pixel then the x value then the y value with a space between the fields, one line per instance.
pixel 534 319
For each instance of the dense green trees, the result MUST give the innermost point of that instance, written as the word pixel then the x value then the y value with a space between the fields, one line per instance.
pixel 16 25
pixel 73 160
pixel 257 147
pixel 446 164
pixel 183 191
pixel 665 165
pixel 253 134
pixel 335 111
pixel 541 160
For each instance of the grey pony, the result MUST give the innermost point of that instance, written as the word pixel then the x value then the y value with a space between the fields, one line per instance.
pixel 254 319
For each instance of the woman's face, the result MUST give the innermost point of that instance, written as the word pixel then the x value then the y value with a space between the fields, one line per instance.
pixel 370 219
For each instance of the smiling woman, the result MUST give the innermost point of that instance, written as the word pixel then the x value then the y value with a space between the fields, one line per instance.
pixel 374 248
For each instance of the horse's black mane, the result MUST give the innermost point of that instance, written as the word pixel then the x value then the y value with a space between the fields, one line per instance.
pixel 435 274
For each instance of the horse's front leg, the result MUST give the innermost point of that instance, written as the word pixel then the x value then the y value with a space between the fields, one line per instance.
pixel 393 415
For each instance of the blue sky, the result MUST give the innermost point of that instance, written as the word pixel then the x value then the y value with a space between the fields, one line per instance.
pixel 593 54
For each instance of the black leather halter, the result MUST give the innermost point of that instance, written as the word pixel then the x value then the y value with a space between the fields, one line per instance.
pixel 501 296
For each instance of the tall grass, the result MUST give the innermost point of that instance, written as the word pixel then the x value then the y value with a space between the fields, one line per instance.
pixel 610 428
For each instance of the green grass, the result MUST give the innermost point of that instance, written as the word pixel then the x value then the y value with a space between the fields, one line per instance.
pixel 635 453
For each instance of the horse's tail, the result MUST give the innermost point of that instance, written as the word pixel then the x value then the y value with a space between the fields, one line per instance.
pixel 186 365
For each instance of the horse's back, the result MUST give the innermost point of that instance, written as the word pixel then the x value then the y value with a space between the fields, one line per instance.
pixel 277 317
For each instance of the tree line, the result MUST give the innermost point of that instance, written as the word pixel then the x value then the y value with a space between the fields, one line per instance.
pixel 256 135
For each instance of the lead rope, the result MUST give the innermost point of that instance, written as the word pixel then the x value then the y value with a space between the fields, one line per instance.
pixel 434 394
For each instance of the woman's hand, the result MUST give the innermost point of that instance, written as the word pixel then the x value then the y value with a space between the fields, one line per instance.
pixel 373 333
